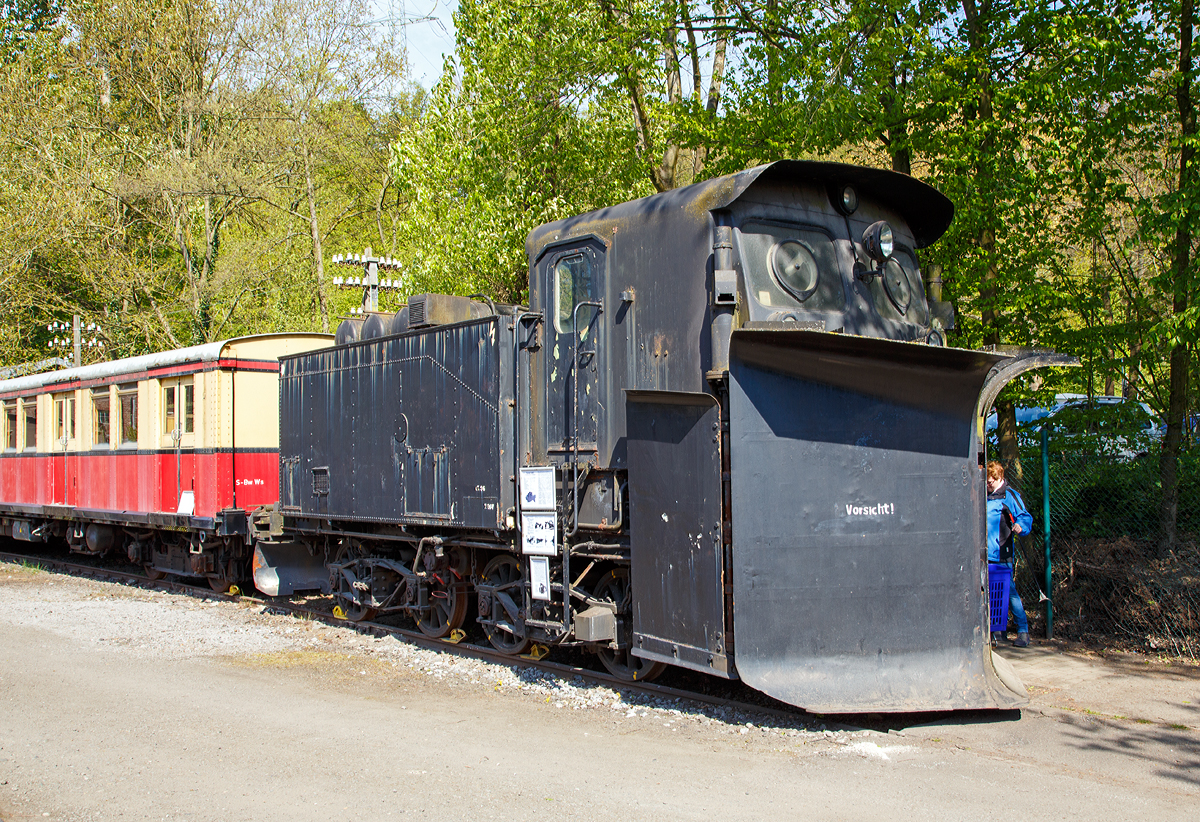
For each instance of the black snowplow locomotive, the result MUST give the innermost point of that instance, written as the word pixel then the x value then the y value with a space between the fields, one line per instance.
pixel 725 435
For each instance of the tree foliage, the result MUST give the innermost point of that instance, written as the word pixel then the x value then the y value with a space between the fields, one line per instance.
pixel 167 166
pixel 182 169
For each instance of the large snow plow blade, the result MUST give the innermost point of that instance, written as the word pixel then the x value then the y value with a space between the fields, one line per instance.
pixel 859 575
pixel 283 568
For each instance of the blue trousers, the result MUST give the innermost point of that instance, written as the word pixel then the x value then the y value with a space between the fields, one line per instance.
pixel 1017 609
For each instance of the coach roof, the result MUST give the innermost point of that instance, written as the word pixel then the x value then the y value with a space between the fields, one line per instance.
pixel 195 354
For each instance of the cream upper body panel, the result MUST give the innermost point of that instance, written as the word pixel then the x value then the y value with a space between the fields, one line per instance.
pixel 157 401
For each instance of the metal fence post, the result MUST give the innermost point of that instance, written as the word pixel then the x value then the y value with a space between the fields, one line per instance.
pixel 1046 529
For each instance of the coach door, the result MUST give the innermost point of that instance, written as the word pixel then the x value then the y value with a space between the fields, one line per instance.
pixel 65 449
pixel 571 363
pixel 179 435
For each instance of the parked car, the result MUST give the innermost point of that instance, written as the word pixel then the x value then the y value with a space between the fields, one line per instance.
pixel 1107 425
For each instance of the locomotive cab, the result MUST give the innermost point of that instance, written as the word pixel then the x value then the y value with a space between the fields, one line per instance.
pixel 652 288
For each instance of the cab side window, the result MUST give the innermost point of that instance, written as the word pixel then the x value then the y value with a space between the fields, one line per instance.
pixel 574 282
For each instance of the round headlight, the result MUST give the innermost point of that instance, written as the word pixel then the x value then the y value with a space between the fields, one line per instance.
pixel 849 200
pixel 844 198
pixel 878 241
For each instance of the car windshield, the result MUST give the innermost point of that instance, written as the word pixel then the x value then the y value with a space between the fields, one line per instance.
pixel 1084 417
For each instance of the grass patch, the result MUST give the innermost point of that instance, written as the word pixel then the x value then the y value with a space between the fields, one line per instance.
pixel 295 659
pixel 27 567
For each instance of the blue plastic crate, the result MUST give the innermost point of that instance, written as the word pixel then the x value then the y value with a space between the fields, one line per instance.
pixel 999 585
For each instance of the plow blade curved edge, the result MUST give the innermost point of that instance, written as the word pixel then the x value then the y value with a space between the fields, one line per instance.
pixel 859 569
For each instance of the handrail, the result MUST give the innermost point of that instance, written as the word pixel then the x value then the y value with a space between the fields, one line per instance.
pixel 575 456
pixel 518 321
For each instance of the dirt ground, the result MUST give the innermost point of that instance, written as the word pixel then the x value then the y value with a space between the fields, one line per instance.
pixel 125 703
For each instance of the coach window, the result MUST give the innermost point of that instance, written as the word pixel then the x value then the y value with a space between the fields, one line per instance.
pixel 127 397
pixel 64 421
pixel 29 411
pixel 10 425
pixel 101 418
pixel 179 406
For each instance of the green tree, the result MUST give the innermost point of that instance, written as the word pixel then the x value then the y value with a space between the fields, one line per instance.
pixel 24 20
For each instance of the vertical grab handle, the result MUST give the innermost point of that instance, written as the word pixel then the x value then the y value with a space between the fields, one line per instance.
pixel 575 455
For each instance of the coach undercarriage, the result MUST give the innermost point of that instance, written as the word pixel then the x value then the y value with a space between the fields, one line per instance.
pixel 222 559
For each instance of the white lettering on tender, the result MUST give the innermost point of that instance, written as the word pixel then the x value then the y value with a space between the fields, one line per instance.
pixel 882 509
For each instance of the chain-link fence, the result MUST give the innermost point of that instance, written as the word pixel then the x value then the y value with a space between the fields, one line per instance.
pixel 1112 583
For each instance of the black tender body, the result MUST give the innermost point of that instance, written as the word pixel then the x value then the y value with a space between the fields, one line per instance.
pixel 413 429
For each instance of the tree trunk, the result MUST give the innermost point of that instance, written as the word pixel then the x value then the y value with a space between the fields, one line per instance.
pixel 665 178
pixel 314 228
pixel 1006 412
pixel 1177 402
pixel 714 83
pixel 897 131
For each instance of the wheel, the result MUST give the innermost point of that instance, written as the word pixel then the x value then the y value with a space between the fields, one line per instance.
pixel 448 608
pixel 614 587
pixel 351 610
pixel 506 570
pixel 153 573
pixel 219 585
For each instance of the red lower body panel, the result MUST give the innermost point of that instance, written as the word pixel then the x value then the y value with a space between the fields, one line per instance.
pixel 144 482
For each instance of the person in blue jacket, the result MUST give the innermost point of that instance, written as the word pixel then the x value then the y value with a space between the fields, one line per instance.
pixel 1007 517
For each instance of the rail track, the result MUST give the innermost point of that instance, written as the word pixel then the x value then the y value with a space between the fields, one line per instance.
pixel 464 647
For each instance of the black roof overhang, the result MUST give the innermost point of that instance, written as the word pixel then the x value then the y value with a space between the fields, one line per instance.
pixel 927 211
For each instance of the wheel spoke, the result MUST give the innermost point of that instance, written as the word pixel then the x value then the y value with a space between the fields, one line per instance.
pixel 614 587
pixel 354 611
pixel 505 572
pixel 447 609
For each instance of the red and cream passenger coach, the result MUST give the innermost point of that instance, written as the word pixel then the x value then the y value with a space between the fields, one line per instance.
pixel 162 455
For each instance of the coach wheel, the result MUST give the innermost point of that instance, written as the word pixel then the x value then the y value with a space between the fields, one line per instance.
pixel 614 587
pixel 447 608
pixel 153 573
pixel 221 586
pixel 504 570
pixel 351 610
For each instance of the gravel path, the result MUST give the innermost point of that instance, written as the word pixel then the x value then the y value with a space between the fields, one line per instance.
pixel 124 702
pixel 155 624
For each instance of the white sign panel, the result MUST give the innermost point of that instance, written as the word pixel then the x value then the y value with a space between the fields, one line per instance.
pixel 539 577
pixel 187 503
pixel 537 489
pixel 539 534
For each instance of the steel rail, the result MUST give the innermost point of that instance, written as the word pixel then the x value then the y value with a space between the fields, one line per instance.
pixel 415 637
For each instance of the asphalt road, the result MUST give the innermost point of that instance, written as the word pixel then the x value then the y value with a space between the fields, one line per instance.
pixel 91 731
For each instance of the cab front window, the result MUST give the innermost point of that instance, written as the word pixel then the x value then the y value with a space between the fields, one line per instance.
pixel 899 294
pixel 791 267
